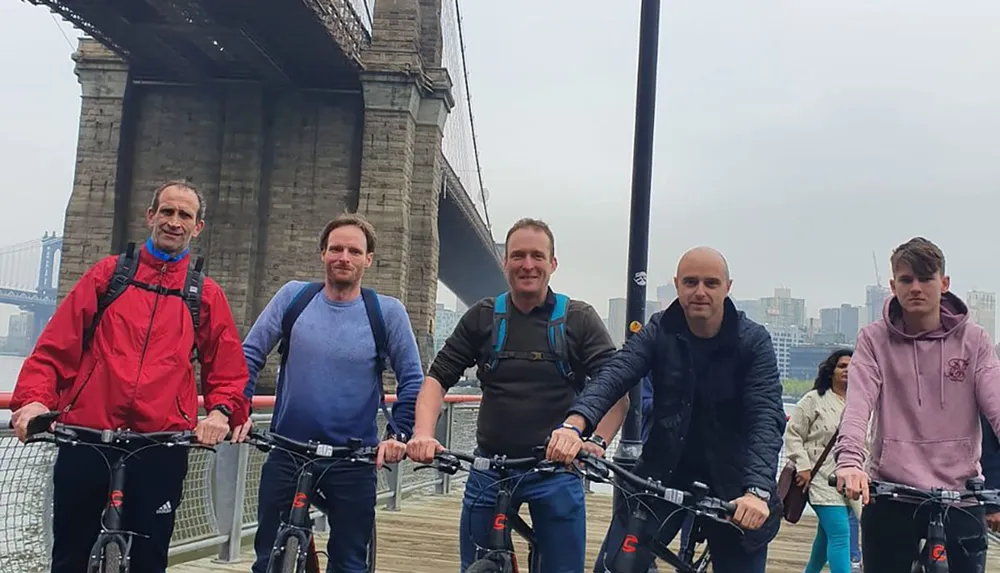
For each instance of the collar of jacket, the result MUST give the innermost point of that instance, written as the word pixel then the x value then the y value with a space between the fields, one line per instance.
pixel 673 321
pixel 162 256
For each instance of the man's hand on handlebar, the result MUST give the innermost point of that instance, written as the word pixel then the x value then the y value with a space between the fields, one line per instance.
pixel 23 416
pixel 390 451
pixel 565 443
pixel 853 482
pixel 421 448
pixel 212 429
pixel 751 512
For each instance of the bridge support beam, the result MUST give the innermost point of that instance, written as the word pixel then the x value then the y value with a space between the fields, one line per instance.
pixel 90 213
pixel 407 98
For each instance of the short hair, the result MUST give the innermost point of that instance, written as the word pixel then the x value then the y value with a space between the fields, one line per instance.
pixel 349 219
pixel 155 203
pixel 921 255
pixel 529 223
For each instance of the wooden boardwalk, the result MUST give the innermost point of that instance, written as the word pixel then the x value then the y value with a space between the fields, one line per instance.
pixel 422 537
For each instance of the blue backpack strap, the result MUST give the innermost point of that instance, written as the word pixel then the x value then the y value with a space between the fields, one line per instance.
pixel 298 304
pixel 377 322
pixel 557 337
pixel 498 334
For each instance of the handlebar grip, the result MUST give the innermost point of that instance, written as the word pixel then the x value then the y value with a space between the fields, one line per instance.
pixel 729 507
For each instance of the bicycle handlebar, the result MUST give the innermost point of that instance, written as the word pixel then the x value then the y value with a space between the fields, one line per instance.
pixel 70 434
pixel 697 500
pixel 265 441
pixel 449 462
pixel 974 491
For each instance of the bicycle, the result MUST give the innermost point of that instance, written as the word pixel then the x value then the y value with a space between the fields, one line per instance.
pixel 111 551
pixel 499 556
pixel 696 501
pixel 932 556
pixel 294 549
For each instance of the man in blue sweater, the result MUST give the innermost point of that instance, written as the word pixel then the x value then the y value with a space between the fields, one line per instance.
pixel 329 390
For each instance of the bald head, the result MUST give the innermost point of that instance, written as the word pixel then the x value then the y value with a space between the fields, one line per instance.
pixel 703 283
pixel 704 257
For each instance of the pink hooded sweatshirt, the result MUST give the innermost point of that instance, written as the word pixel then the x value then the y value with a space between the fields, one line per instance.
pixel 926 391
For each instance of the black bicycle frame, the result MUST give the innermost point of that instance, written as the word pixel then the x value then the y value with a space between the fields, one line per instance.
pixel 637 535
pixel 504 521
pixel 111 520
pixel 299 522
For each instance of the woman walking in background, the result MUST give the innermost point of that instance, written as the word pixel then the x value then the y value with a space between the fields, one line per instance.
pixel 812 426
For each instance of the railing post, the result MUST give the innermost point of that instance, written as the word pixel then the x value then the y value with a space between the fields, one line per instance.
pixel 230 490
pixel 443 431
pixel 395 480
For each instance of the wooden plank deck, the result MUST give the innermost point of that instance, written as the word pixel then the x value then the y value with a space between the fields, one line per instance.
pixel 422 537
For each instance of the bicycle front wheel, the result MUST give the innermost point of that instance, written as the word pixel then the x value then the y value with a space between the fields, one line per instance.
pixel 112 562
pixel 483 566
pixel 290 557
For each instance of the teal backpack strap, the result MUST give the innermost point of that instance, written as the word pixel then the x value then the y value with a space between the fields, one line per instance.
pixel 498 334
pixel 557 337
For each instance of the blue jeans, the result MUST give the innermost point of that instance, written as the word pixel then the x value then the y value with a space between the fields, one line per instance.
pixel 833 540
pixel 852 521
pixel 728 555
pixel 349 503
pixel 558 516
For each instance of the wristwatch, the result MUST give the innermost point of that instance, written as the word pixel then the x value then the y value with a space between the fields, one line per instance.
pixel 759 493
pixel 224 409
pixel 596 439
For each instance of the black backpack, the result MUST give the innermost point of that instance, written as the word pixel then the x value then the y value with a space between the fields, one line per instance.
pixel 375 319
pixel 124 277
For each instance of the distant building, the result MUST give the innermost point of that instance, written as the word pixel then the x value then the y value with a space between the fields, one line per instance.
pixel 665 295
pixel 784 338
pixel 875 296
pixel 983 310
pixel 804 360
pixel 843 320
pixel 445 321
pixel 616 321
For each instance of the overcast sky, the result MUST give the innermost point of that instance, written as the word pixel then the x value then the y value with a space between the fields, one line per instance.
pixel 796 137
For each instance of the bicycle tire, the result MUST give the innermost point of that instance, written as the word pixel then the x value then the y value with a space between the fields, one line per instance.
pixel 112 561
pixel 290 556
pixel 484 566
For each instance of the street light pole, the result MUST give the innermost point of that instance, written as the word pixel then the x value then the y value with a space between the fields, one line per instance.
pixel 630 444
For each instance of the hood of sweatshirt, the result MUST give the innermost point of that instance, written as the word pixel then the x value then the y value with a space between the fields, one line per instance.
pixel 954 314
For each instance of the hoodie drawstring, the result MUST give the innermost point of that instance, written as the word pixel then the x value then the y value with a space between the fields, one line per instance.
pixel 941 370
pixel 916 373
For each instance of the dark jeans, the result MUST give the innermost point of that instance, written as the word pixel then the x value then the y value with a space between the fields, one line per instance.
pixel 154 481
pixel 558 516
pixel 727 552
pixel 349 492
pixel 891 532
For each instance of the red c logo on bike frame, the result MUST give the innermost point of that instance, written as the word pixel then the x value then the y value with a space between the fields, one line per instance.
pixel 937 553
pixel 500 521
pixel 300 500
pixel 628 545
pixel 116 498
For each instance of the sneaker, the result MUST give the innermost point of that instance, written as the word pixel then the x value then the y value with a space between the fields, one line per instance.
pixel 856 566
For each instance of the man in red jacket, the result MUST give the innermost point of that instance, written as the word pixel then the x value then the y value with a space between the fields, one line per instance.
pixel 130 366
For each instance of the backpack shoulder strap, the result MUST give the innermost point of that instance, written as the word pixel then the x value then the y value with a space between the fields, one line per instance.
pixel 119 282
pixel 194 284
pixel 498 334
pixel 557 337
pixel 381 335
pixel 374 310
pixel 298 304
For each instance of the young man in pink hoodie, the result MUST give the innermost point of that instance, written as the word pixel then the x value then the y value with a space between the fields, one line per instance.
pixel 926 372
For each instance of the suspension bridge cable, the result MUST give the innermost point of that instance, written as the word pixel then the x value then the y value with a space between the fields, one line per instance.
pixel 61 31
pixel 472 123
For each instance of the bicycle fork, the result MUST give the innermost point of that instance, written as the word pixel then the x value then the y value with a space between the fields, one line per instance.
pixel 298 526
pixel 111 524
pixel 936 556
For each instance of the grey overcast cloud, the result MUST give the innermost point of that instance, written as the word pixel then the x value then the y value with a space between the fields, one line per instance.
pixel 795 137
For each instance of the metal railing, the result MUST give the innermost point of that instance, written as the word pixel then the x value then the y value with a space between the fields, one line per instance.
pixel 219 504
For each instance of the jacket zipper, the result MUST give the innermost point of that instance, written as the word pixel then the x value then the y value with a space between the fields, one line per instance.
pixel 80 391
pixel 145 342
pixel 180 409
